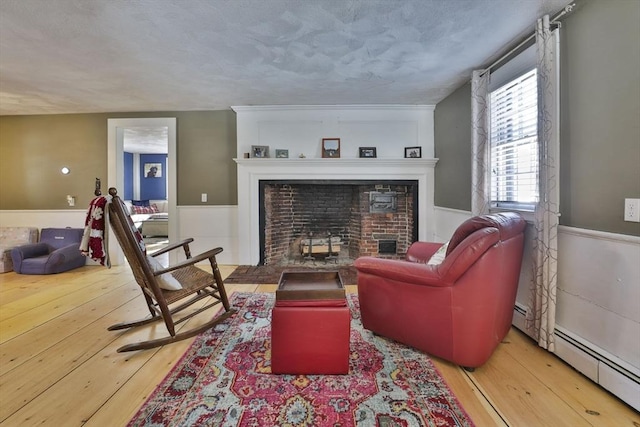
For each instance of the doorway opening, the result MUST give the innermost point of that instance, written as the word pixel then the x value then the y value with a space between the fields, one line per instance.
pixel 137 129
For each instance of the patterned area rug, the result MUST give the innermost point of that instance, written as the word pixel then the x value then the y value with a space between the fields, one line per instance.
pixel 224 379
pixel 267 274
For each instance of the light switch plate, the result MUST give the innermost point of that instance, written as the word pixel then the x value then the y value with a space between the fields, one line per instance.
pixel 203 197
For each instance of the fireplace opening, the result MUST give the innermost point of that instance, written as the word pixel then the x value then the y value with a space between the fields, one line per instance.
pixel 334 222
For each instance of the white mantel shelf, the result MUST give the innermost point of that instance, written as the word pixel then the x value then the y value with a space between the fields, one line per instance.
pixel 251 171
pixel 329 162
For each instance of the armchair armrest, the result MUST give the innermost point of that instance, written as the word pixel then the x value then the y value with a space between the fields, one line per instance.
pixel 64 254
pixel 445 274
pixel 402 271
pixel 31 250
pixel 422 251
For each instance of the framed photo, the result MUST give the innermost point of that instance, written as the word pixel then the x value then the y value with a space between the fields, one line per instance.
pixel 153 170
pixel 412 152
pixel 282 154
pixel 331 148
pixel 367 152
pixel 260 151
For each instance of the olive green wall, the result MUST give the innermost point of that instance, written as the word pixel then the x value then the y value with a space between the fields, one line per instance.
pixel 452 135
pixel 600 132
pixel 599 123
pixel 33 149
pixel 206 146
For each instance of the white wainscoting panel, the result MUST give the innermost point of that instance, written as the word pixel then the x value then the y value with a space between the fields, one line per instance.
pixel 447 221
pixel 211 227
pixel 599 289
pixel 597 318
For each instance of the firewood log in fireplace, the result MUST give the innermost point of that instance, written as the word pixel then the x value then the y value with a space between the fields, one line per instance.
pixel 320 246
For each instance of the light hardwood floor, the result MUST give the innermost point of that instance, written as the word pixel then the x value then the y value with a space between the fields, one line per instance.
pixel 59 367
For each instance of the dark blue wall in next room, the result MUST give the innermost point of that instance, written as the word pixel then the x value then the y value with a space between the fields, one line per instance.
pixel 128 176
pixel 153 188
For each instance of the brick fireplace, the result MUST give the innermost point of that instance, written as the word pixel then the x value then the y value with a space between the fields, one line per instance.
pixel 334 222
pixel 252 173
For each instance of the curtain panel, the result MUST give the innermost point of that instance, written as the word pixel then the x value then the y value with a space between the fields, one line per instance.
pixel 480 179
pixel 541 311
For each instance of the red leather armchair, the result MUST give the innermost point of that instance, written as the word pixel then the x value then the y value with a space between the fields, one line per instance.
pixel 458 310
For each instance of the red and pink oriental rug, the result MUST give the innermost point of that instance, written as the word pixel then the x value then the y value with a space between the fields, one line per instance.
pixel 224 379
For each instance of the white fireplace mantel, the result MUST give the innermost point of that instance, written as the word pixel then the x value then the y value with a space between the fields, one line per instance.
pixel 252 171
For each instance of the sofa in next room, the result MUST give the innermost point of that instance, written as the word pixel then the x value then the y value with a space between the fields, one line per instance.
pixel 151 217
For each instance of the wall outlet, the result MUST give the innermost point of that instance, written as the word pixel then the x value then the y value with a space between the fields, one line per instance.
pixel 632 210
pixel 203 197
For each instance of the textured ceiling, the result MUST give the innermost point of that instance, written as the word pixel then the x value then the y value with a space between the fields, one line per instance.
pixel 78 56
pixel 143 139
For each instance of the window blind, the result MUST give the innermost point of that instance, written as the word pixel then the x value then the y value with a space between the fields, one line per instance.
pixel 514 143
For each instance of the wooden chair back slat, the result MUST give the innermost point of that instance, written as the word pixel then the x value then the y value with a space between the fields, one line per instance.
pixel 131 243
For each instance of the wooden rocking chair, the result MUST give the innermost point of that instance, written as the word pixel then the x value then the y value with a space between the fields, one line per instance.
pixel 196 283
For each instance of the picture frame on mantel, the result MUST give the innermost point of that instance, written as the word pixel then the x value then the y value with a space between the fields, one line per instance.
pixel 282 153
pixel 331 148
pixel 367 152
pixel 413 152
pixel 259 151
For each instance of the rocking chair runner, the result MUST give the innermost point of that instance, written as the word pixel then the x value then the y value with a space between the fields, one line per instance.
pixel 196 283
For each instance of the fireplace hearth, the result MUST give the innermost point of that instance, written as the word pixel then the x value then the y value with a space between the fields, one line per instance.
pixel 333 222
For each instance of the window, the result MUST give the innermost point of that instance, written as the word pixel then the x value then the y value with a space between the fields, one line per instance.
pixel 514 143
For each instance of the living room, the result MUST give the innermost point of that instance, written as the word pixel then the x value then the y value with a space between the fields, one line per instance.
pixel 599 276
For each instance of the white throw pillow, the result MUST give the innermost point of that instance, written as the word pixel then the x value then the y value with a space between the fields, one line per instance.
pixel 129 206
pixel 438 257
pixel 166 280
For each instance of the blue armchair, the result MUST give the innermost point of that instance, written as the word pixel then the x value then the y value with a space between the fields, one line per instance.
pixel 58 250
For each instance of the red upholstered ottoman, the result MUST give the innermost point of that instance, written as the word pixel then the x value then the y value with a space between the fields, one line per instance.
pixel 310 325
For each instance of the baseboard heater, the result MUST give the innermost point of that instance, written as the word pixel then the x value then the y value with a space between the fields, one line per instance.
pixel 596 364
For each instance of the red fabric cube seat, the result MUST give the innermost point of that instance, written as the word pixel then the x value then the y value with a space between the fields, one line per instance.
pixel 310 337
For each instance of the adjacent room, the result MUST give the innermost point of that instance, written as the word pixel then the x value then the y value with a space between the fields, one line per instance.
pixel 320 213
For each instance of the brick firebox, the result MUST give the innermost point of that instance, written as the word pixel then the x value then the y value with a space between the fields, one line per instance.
pixel 376 218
